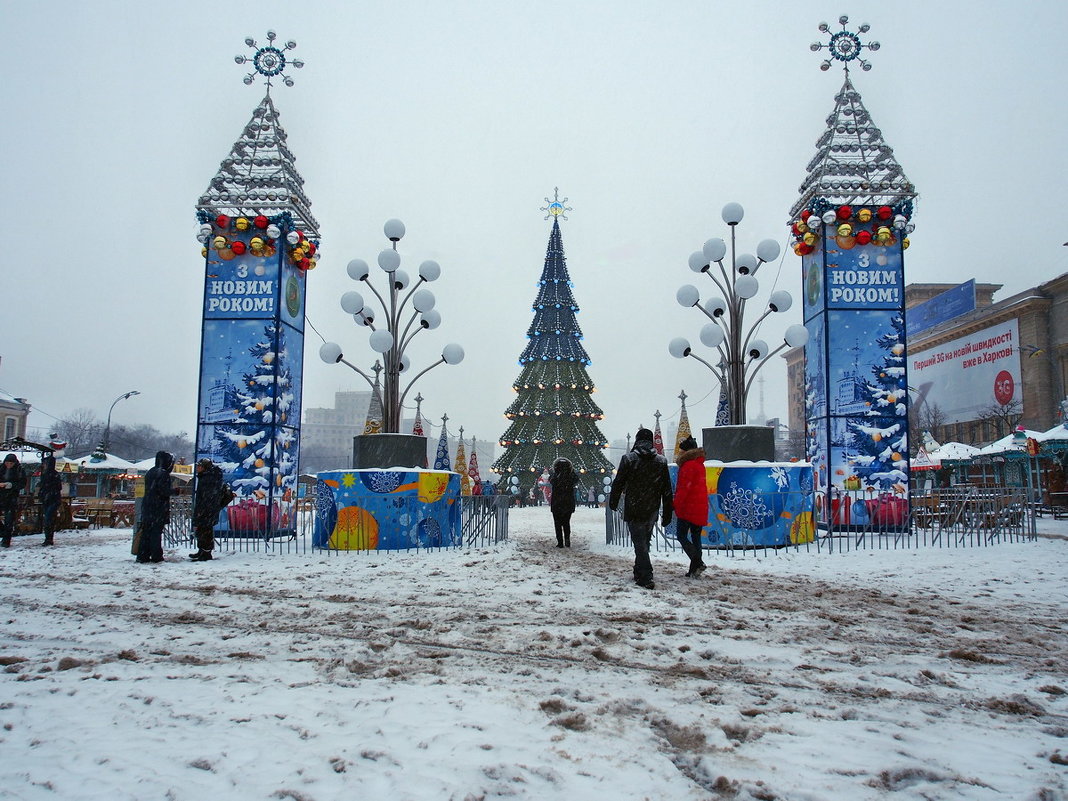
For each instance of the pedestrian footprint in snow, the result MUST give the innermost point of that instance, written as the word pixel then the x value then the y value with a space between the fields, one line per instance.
pixel 645 486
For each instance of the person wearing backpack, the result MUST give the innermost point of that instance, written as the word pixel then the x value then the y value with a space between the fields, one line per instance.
pixel 210 497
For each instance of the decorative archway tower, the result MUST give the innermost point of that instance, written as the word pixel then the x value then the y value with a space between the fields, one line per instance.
pixel 850 225
pixel 260 239
pixel 553 414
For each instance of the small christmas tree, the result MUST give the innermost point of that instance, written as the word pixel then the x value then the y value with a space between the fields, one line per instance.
pixel 684 428
pixel 882 447
pixel 658 438
pixel 441 457
pixel 461 466
pixel 472 469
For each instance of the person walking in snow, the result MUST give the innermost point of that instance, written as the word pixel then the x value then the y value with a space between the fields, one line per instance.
pixel 642 480
pixel 12 482
pixel 49 491
pixel 155 509
pixel 562 480
pixel 210 497
pixel 691 503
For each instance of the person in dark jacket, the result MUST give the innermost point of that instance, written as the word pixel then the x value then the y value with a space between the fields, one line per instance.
pixel 211 496
pixel 12 483
pixel 155 508
pixel 49 491
pixel 643 482
pixel 691 503
pixel 562 480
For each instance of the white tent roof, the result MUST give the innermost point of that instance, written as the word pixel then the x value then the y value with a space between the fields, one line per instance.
pixel 1056 434
pixel 953 451
pixel 1010 443
pixel 109 462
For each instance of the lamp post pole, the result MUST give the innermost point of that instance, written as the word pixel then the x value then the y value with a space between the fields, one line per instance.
pixel 740 355
pixel 392 337
pixel 106 444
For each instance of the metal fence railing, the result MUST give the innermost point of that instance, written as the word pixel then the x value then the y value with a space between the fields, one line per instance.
pixel 483 522
pixel 962 517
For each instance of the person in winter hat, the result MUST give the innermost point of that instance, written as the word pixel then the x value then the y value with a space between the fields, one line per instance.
pixel 210 496
pixel 643 482
pixel 12 482
pixel 155 508
pixel 691 503
pixel 49 491
pixel 562 479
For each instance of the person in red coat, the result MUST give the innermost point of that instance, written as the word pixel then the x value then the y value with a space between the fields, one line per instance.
pixel 691 503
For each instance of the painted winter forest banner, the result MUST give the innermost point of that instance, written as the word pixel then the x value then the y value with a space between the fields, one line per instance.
pixel 248 414
pixel 856 400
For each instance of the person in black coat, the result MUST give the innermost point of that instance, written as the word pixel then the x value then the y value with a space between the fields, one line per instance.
pixel 49 491
pixel 155 508
pixel 12 483
pixel 211 496
pixel 643 481
pixel 562 504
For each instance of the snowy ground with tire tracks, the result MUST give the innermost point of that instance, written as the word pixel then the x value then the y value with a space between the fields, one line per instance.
pixel 531 672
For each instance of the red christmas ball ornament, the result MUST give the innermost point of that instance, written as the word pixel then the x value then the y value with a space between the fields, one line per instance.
pixel 305 264
pixel 238 247
pixel 310 247
pixel 884 213
pixel 300 235
pixel 260 221
pixel 222 221
pixel 794 230
pixel 863 237
pixel 845 212
pixel 805 215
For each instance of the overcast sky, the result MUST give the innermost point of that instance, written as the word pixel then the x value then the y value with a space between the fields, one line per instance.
pixel 460 118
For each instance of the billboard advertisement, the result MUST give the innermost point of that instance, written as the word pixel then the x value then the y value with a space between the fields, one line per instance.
pixel 856 370
pixel 251 366
pixel 961 378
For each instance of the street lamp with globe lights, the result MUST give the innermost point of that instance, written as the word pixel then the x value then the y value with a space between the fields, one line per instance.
pixel 741 355
pixel 394 331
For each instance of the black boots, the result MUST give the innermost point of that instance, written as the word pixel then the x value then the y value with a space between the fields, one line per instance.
pixel 200 556
pixel 48 539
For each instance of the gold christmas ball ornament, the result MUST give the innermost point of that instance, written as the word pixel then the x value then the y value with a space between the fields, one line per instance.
pixel 864 215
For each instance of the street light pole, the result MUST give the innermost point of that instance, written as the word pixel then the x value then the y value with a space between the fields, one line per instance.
pixel 106 443
pixel 740 355
pixel 392 336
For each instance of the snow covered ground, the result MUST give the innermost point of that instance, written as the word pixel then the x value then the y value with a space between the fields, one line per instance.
pixel 531 672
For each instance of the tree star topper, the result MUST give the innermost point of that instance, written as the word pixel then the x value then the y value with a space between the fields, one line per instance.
pixel 556 207
pixel 269 61
pixel 845 46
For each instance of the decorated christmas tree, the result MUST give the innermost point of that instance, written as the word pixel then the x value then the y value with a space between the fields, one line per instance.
pixel 683 430
pixel 472 470
pixel 881 445
pixel 553 414
pixel 658 437
pixel 461 466
pixel 441 456
pixel 266 397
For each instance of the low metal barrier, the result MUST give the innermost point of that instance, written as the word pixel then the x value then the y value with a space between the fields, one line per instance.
pixel 483 523
pixel 965 517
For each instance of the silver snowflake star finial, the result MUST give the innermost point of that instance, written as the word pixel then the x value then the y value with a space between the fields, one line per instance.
pixel 269 60
pixel 845 46
pixel 556 207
